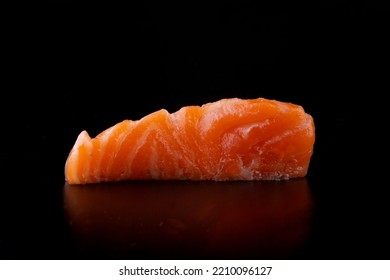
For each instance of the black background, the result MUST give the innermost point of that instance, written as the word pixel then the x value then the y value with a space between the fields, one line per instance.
pixel 75 65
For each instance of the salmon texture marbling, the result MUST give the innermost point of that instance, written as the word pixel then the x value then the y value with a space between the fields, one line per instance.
pixel 230 139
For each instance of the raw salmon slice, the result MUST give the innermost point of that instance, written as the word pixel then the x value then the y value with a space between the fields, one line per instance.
pixel 230 139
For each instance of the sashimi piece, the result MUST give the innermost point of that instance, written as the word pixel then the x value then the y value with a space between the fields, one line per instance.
pixel 230 139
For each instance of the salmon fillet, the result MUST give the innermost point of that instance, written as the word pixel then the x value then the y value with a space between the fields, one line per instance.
pixel 230 139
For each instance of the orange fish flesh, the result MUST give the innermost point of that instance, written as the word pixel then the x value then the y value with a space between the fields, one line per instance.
pixel 230 139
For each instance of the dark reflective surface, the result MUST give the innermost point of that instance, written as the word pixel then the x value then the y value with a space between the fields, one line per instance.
pixel 189 219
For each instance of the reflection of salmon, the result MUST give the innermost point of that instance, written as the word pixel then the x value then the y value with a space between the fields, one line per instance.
pixel 231 139
pixel 190 219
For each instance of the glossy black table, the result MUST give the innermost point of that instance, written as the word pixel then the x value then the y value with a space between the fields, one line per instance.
pixel 214 220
